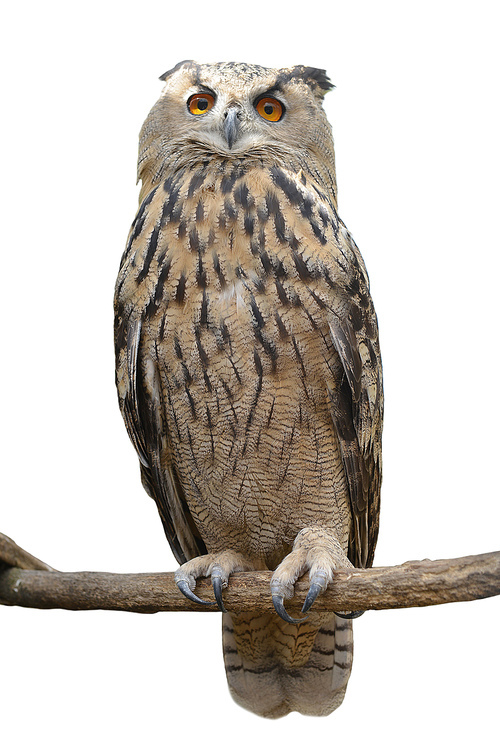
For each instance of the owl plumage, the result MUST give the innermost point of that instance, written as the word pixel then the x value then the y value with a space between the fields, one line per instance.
pixel 248 364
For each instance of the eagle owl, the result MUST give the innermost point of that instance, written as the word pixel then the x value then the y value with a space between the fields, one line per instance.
pixel 248 365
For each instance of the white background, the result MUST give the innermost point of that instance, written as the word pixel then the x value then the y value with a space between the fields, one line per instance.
pixel 416 123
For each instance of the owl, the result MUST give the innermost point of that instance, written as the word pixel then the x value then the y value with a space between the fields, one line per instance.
pixel 248 365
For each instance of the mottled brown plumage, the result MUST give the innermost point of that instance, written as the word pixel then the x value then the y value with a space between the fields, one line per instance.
pixel 248 365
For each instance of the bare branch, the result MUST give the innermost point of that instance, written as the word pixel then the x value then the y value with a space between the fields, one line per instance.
pixel 31 583
pixel 13 555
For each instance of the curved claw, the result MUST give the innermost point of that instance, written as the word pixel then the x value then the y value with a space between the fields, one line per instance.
pixel 350 615
pixel 281 611
pixel 313 592
pixel 218 585
pixel 186 590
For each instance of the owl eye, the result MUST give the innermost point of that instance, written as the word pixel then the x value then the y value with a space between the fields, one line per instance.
pixel 270 109
pixel 200 103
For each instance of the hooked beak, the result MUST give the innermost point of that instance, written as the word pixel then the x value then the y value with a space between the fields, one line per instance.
pixel 231 125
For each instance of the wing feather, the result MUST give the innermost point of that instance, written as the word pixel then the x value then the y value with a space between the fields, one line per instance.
pixel 142 406
pixel 357 404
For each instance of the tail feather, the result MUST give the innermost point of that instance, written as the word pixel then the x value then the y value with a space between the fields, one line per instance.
pixel 274 668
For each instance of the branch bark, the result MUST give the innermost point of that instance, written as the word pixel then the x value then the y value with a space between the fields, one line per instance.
pixel 26 581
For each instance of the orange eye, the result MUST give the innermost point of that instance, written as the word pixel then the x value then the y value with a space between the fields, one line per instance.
pixel 270 109
pixel 200 103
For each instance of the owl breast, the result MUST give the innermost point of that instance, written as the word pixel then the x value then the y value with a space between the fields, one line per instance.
pixel 232 272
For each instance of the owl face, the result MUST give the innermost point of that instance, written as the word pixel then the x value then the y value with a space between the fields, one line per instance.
pixel 234 107
pixel 236 111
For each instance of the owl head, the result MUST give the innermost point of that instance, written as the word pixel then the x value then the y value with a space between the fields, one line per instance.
pixel 236 111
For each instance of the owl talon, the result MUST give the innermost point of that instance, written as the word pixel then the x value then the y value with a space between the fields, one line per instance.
pixel 218 584
pixel 314 590
pixel 281 611
pixel 319 583
pixel 186 590
pixel 218 567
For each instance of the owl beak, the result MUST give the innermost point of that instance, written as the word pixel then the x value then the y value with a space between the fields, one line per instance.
pixel 231 125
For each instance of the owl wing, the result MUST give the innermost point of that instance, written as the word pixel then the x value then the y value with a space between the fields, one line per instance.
pixel 142 406
pixel 357 404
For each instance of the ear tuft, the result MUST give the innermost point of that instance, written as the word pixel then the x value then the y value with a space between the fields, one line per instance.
pixel 319 77
pixel 315 78
pixel 174 69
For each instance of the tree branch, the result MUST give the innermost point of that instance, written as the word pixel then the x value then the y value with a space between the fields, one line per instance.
pixel 12 555
pixel 26 581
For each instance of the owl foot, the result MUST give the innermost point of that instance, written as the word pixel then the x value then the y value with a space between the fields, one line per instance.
pixel 216 566
pixel 316 550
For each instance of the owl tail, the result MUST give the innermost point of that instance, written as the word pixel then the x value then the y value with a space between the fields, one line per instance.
pixel 274 667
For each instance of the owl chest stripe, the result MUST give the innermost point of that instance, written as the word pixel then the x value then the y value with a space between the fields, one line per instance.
pixel 236 256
